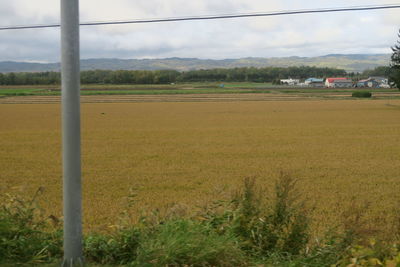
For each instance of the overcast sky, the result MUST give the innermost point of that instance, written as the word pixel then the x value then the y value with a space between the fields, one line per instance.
pixel 295 35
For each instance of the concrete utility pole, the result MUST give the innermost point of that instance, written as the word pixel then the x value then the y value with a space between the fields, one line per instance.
pixel 71 139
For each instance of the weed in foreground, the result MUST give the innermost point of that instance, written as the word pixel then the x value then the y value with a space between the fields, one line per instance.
pixel 23 232
pixel 278 226
pixel 250 229
pixel 188 243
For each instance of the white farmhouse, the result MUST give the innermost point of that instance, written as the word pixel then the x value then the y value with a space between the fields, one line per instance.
pixel 290 81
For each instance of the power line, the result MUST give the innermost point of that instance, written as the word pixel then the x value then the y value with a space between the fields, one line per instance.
pixel 212 17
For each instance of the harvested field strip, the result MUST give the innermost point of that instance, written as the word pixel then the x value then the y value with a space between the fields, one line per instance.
pixel 150 98
pixel 274 96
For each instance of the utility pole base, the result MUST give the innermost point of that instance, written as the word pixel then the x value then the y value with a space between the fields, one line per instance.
pixel 72 262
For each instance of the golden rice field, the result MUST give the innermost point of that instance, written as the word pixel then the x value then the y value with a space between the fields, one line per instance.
pixel 194 152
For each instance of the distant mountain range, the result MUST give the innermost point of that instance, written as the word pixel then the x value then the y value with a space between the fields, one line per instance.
pixel 351 63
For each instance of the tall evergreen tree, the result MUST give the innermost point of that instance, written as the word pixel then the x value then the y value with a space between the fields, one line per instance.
pixel 395 63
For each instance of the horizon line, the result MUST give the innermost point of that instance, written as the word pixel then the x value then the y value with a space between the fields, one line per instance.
pixel 196 58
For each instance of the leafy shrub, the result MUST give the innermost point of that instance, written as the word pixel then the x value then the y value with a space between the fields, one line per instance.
pixel 280 227
pixel 362 94
pixel 188 243
pixel 262 227
pixel 23 238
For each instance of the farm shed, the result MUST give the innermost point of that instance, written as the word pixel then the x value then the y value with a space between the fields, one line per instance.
pixel 367 83
pixel 383 82
pixel 374 82
pixel 314 82
pixel 380 80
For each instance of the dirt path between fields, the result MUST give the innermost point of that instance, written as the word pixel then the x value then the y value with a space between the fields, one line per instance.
pixel 191 98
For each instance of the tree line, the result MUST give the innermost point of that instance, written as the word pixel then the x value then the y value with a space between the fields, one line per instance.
pixel 245 74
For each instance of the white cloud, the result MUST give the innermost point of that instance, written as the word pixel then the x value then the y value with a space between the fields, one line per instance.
pixel 301 35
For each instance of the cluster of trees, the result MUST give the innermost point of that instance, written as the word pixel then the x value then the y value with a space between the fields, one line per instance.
pixel 383 71
pixel 129 76
pixel 92 77
pixel 269 74
pixel 30 78
pixel 395 63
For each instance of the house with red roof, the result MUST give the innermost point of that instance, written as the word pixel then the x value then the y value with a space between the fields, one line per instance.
pixel 339 82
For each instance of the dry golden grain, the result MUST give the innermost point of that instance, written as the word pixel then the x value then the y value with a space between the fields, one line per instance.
pixel 191 153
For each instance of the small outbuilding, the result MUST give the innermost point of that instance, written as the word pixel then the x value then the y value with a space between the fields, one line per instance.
pixel 367 83
pixel 379 80
pixel 374 82
pixel 314 82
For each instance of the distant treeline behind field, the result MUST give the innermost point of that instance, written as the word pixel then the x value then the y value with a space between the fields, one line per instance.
pixel 250 74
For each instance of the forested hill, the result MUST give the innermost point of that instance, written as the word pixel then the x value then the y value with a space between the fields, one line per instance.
pixel 350 63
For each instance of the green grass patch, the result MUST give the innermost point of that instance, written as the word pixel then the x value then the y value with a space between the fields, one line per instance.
pixel 249 85
pixel 131 86
pixel 170 92
pixel 19 92
pixel 189 243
